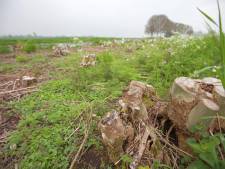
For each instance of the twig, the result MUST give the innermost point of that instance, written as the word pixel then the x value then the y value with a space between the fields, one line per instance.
pixel 80 148
pixel 1 85
pixel 14 84
pixel 73 132
pixel 218 120
pixel 172 146
pixel 88 123
pixel 169 131
pixel 21 89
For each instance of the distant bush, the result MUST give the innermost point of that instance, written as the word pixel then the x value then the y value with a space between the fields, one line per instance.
pixel 29 47
pixel 5 49
pixel 22 59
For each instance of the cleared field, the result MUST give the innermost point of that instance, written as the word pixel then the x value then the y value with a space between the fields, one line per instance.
pixel 52 120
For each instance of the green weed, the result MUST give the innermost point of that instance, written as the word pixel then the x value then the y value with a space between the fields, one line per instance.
pixel 4 68
pixel 205 149
pixel 5 49
pixel 29 47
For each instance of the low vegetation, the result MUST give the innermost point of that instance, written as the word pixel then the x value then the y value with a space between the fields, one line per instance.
pixel 5 49
pixel 54 119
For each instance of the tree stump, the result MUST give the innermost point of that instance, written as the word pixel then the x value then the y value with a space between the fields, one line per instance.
pixel 88 60
pixel 61 50
pixel 132 129
pixel 193 102
pixel 114 134
pixel 28 81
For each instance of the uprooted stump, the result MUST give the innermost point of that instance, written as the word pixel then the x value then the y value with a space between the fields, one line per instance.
pixel 88 60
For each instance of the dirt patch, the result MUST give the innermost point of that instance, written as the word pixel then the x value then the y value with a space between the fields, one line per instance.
pixel 7 58
pixel 94 49
pixel 8 123
pixel 93 159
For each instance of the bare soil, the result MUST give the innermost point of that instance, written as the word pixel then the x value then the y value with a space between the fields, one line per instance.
pixel 92 159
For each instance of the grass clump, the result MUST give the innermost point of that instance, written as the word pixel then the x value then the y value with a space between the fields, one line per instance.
pixel 22 59
pixel 5 49
pixel 39 59
pixel 29 47
pixel 4 68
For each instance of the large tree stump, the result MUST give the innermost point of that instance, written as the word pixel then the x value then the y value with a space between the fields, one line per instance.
pixel 134 128
pixel 192 102
pixel 183 99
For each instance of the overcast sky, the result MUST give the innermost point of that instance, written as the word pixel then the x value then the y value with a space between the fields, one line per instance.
pixel 97 17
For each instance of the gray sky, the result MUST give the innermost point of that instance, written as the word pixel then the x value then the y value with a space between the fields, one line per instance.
pixel 97 17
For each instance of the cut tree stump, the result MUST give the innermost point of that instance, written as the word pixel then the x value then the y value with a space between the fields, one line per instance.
pixel 28 81
pixel 204 108
pixel 61 50
pixel 88 60
pixel 133 129
pixel 194 99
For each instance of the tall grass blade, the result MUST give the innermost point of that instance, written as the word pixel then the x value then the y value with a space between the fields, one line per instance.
pixel 222 44
pixel 208 17
pixel 221 39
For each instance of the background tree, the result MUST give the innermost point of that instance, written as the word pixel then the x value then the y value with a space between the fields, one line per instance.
pixel 158 24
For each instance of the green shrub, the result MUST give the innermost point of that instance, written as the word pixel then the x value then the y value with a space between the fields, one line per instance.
pixel 22 59
pixel 29 47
